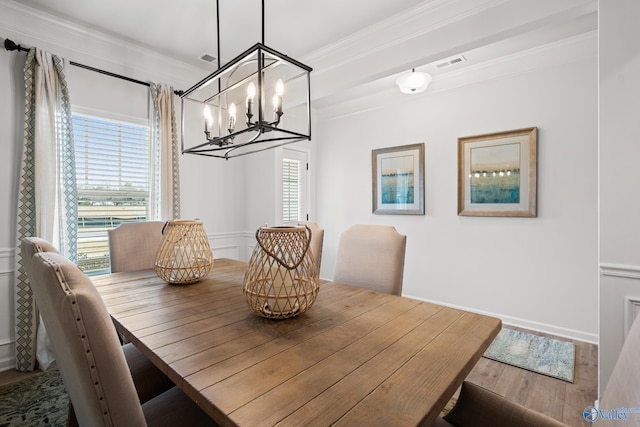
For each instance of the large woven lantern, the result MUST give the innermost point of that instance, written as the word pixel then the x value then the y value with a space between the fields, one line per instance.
pixel 282 278
pixel 185 255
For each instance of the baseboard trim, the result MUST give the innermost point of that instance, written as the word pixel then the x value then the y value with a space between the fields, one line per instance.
pixel 7 363
pixel 524 323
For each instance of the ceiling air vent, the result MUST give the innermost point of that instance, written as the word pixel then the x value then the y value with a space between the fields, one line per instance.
pixel 206 57
pixel 451 61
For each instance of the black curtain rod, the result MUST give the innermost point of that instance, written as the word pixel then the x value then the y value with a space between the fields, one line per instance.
pixel 10 45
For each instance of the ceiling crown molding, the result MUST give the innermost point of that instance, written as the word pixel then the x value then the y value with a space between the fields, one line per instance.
pixel 399 28
pixel 383 93
pixel 429 33
pixel 72 41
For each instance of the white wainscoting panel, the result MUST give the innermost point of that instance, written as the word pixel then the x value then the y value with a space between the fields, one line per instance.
pixel 631 310
pixel 7 333
pixel 619 305
pixel 7 355
pixel 234 245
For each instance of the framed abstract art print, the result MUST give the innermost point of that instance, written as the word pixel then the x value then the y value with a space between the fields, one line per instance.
pixel 497 174
pixel 398 180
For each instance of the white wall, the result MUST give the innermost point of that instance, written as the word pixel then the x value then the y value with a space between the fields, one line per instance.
pixel 619 66
pixel 534 272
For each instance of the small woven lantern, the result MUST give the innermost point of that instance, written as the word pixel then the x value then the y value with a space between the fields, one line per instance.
pixel 282 278
pixel 185 255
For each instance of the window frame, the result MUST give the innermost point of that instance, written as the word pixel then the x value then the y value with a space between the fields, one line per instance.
pixel 102 239
pixel 306 190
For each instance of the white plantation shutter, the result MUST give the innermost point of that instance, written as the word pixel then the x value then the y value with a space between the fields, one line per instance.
pixel 112 171
pixel 294 186
pixel 291 190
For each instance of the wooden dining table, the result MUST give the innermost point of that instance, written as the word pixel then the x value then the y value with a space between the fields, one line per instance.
pixel 356 357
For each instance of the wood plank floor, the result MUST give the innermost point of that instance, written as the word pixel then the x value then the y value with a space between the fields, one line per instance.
pixel 558 399
pixel 12 376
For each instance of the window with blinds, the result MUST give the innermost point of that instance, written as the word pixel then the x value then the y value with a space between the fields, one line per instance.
pixel 112 176
pixel 291 190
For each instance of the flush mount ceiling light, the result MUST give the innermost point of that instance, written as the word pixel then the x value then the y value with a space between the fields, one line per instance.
pixel 413 82
pixel 257 101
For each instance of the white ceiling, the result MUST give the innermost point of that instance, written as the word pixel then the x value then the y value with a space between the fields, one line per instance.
pixel 186 29
pixel 351 44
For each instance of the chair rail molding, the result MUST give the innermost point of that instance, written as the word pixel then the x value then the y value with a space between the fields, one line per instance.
pixel 620 270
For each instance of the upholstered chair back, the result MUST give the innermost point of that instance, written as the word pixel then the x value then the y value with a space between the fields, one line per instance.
pixel 134 246
pixel 29 246
pixel 622 390
pixel 89 356
pixel 371 256
pixel 317 239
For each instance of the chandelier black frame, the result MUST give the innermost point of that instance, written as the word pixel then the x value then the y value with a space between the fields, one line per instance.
pixel 253 69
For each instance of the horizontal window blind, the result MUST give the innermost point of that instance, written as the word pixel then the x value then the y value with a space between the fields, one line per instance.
pixel 291 190
pixel 112 176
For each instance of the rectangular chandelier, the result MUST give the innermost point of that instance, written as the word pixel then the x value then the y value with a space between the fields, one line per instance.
pixel 259 100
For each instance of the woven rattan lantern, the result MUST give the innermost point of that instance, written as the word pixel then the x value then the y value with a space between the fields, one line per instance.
pixel 185 255
pixel 282 278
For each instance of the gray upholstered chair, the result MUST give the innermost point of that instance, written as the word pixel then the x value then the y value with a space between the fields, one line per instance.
pixel 371 256
pixel 29 246
pixel 479 407
pixel 133 246
pixel 91 361
pixel 35 245
pixel 317 239
pixel 149 380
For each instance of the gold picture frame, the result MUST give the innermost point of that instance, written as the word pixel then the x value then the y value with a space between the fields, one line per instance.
pixel 497 174
pixel 398 180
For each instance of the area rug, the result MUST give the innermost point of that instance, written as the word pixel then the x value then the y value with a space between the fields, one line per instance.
pixel 40 400
pixel 543 355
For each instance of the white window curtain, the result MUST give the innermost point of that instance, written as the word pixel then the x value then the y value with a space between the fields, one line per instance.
pixel 47 196
pixel 165 171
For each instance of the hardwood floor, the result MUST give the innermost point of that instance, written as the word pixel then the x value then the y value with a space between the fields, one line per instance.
pixel 12 376
pixel 556 398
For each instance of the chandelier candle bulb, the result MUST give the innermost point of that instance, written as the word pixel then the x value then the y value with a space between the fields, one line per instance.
pixel 279 93
pixel 251 93
pixel 208 119
pixel 276 106
pixel 232 117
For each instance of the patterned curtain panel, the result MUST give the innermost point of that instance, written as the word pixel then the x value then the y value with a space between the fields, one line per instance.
pixel 165 170
pixel 47 197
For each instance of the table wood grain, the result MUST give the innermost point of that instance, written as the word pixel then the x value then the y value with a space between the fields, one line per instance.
pixel 356 358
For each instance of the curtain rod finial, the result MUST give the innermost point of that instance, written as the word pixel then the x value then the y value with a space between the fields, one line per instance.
pixel 11 45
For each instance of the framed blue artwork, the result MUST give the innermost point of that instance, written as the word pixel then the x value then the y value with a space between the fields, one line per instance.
pixel 398 180
pixel 497 174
